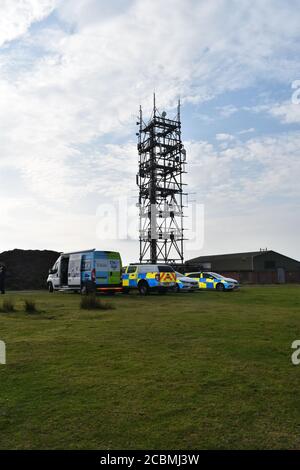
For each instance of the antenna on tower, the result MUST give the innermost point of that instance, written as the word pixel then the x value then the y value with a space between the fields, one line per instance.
pixel 178 110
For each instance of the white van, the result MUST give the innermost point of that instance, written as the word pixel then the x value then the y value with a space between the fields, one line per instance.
pixel 86 271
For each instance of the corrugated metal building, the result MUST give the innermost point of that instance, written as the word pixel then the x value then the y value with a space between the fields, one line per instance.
pixel 265 266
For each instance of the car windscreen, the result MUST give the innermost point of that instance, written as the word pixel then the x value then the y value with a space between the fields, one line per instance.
pixel 165 269
pixel 131 269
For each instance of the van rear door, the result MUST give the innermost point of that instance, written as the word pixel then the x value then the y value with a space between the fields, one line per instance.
pixel 167 274
pixel 101 265
pixel 74 271
pixel 114 269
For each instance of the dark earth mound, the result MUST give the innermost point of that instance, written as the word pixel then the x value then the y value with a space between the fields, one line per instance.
pixel 27 269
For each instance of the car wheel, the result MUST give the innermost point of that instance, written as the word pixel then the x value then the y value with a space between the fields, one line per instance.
pixel 50 287
pixel 143 288
pixel 220 287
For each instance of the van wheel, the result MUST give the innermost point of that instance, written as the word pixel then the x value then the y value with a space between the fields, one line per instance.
pixel 126 290
pixel 143 288
pixel 220 287
pixel 50 287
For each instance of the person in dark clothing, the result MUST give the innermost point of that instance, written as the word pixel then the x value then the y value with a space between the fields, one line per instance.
pixel 2 278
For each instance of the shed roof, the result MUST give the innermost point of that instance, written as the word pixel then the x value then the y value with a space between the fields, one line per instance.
pixel 246 254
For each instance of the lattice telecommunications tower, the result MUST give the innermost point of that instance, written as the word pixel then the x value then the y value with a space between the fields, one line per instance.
pixel 162 160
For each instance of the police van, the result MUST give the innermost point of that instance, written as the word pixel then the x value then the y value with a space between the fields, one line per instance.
pixel 148 277
pixel 86 271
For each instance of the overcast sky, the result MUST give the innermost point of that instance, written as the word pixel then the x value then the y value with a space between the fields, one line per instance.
pixel 72 76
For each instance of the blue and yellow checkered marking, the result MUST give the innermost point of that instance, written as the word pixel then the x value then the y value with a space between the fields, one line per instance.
pixel 132 279
pixel 209 284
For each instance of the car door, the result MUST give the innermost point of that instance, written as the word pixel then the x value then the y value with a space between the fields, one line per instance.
pixel 56 274
pixel 208 279
pixel 132 276
pixel 197 277
pixel 201 281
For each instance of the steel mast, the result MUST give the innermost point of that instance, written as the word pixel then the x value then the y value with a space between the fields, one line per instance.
pixel 162 160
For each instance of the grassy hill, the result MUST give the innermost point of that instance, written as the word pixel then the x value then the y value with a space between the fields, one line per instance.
pixel 27 269
pixel 184 371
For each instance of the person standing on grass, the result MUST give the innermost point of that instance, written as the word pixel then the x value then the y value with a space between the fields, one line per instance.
pixel 2 278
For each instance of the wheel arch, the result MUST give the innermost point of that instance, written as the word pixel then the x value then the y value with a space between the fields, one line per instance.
pixel 143 281
pixel 50 286
pixel 220 286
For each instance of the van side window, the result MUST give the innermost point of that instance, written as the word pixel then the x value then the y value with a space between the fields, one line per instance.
pixel 131 269
pixel 148 268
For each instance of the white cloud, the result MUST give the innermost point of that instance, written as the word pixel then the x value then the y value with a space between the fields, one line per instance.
pixel 224 137
pixel 250 192
pixel 90 82
pixel 247 131
pixel 247 172
pixel 227 111
pixel 287 112
pixel 64 110
pixel 18 15
pixel 87 12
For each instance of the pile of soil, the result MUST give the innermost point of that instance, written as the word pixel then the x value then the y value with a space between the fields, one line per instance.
pixel 27 269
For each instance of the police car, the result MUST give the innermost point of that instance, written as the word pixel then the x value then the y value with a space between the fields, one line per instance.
pixel 148 277
pixel 185 284
pixel 210 280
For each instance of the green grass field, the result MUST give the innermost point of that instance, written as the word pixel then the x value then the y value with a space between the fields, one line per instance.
pixel 189 371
